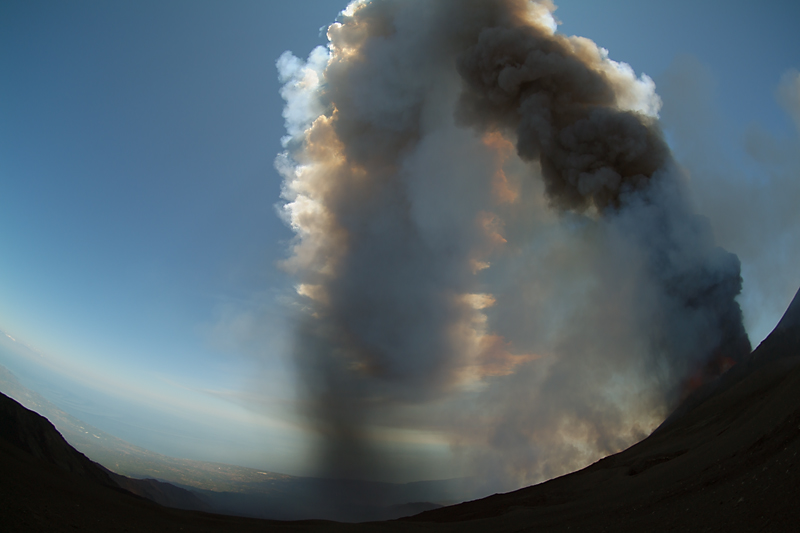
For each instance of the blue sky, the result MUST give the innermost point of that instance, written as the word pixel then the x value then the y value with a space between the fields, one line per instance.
pixel 138 232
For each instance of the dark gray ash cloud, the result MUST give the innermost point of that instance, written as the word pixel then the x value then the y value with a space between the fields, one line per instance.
pixel 493 245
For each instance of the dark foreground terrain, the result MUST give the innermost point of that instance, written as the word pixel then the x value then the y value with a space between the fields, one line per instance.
pixel 236 490
pixel 726 460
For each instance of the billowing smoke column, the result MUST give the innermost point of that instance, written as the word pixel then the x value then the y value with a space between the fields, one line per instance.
pixel 493 246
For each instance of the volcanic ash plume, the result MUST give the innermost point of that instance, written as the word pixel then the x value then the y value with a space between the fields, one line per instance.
pixel 493 245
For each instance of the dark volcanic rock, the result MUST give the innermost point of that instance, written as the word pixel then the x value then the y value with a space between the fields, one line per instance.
pixel 26 431
pixel 35 435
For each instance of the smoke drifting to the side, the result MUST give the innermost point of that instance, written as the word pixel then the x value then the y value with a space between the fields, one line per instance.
pixel 493 245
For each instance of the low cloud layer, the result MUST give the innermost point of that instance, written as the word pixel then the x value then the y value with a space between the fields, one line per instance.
pixel 494 246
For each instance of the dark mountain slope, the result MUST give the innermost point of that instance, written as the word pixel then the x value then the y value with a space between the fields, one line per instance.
pixel 47 486
pixel 34 434
pixel 127 459
pixel 230 489
pixel 162 493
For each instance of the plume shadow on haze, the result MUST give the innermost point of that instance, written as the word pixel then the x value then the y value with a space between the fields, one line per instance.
pixel 494 247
